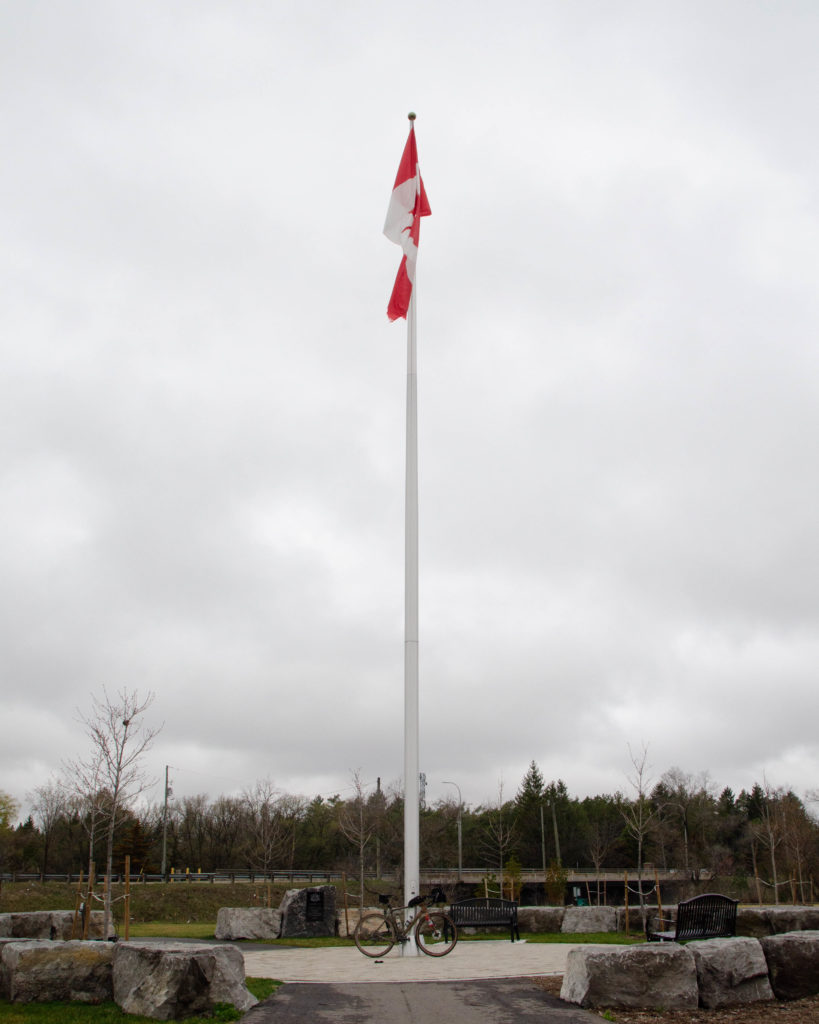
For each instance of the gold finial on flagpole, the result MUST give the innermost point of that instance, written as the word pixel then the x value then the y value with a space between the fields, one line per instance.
pixel 411 115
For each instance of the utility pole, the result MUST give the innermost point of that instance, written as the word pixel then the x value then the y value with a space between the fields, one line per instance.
pixel 168 791
pixel 543 843
pixel 557 837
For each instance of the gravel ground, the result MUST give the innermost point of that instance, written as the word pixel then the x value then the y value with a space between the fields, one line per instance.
pixel 800 1011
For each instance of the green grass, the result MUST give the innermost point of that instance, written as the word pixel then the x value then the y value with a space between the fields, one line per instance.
pixel 168 930
pixel 80 1013
pixel 580 938
pixel 110 1013
pixel 262 988
pixel 574 938
pixel 174 902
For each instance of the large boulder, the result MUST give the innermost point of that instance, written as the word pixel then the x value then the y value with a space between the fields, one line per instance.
pixel 346 920
pixel 730 972
pixel 793 963
pixel 248 923
pixel 4 985
pixel 635 976
pixel 753 922
pixel 51 924
pixel 309 912
pixel 589 919
pixel 169 980
pixel 792 919
pixel 43 971
pixel 540 919
pixel 34 924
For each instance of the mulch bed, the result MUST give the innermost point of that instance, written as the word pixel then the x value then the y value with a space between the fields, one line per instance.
pixel 800 1011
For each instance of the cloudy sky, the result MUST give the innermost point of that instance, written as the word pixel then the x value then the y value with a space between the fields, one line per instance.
pixel 202 400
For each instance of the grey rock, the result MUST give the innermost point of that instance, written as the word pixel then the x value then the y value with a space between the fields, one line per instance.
pixel 35 924
pixel 540 919
pixel 793 963
pixel 792 919
pixel 589 919
pixel 50 924
pixel 248 923
pixel 170 980
pixel 309 912
pixel 635 976
pixel 753 922
pixel 731 971
pixel 45 971
pixel 346 920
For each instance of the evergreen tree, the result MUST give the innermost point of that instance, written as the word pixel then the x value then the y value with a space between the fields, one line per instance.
pixel 528 813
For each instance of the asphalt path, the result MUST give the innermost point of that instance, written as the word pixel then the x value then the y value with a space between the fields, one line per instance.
pixel 497 1001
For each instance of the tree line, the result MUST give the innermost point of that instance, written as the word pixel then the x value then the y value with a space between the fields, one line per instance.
pixel 764 838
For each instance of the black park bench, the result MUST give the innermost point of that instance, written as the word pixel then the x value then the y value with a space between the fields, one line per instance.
pixel 710 916
pixel 484 912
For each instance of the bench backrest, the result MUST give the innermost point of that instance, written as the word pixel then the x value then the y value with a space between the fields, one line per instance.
pixel 483 908
pixel 710 915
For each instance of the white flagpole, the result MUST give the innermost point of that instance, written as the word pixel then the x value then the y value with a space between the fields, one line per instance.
pixel 412 818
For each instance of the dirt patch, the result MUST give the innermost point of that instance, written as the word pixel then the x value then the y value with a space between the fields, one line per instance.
pixel 800 1011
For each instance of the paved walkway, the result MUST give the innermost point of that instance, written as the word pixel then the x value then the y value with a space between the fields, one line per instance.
pixel 468 960
pixel 500 1001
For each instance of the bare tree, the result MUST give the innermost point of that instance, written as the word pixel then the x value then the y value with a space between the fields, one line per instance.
pixel 357 825
pixel 639 814
pixel 769 829
pixel 48 806
pixel 119 739
pixel 86 797
pixel 603 828
pixel 266 825
pixel 499 833
pixel 686 803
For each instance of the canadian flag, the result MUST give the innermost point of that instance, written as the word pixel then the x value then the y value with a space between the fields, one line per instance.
pixel 408 204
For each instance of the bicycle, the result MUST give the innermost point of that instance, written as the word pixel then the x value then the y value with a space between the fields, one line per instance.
pixel 435 932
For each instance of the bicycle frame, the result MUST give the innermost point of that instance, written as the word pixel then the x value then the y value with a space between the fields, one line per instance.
pixel 433 931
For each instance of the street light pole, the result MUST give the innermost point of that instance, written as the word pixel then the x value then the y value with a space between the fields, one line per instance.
pixel 460 833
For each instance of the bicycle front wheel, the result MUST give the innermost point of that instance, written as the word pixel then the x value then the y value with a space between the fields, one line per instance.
pixel 374 935
pixel 435 933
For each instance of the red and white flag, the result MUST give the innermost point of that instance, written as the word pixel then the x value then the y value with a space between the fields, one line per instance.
pixel 408 205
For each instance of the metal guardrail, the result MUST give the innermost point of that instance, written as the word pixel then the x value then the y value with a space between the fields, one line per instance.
pixel 225 876
pixel 310 876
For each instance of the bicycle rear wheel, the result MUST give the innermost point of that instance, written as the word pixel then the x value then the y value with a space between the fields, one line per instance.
pixel 374 935
pixel 435 933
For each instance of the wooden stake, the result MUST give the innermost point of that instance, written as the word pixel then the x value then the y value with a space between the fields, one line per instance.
pixel 76 919
pixel 625 880
pixel 659 900
pixel 89 895
pixel 127 897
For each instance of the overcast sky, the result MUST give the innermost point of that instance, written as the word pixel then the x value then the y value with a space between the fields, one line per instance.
pixel 203 402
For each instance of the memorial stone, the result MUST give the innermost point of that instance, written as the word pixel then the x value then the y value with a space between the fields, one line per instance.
pixel 309 912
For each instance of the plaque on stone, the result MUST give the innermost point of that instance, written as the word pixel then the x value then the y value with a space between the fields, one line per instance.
pixel 315 905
